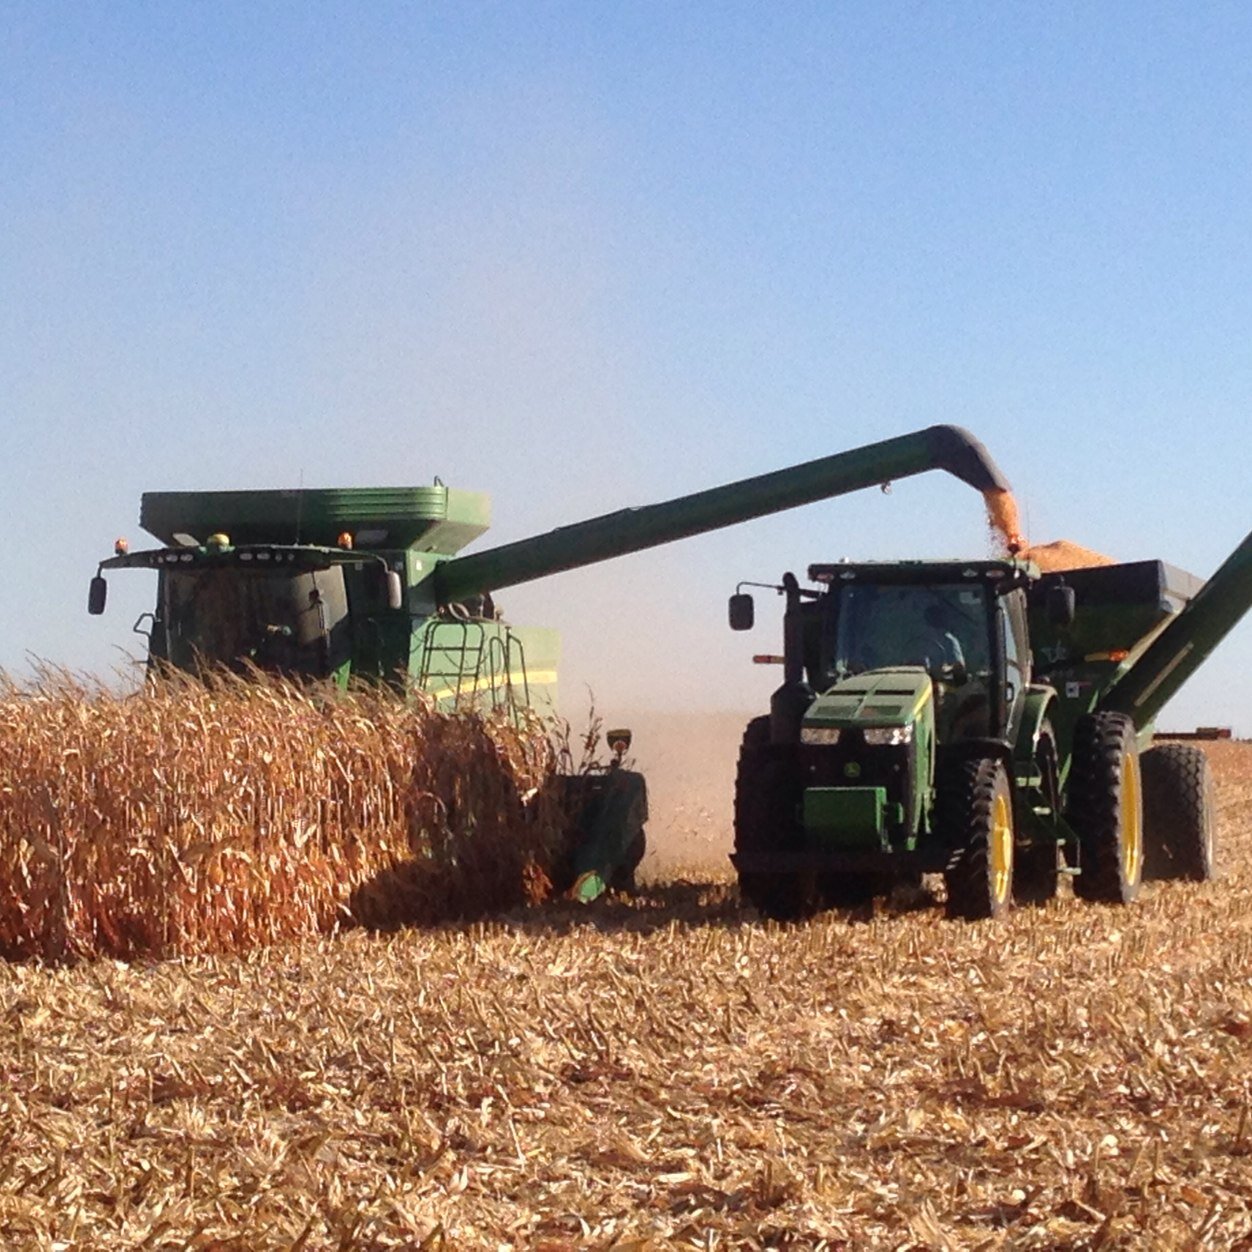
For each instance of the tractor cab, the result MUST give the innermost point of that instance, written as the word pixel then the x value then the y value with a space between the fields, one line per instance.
pixel 953 635
pixel 960 627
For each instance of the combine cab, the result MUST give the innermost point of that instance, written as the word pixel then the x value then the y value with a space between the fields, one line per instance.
pixel 333 585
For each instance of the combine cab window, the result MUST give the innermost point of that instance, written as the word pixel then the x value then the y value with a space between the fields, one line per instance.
pixel 280 621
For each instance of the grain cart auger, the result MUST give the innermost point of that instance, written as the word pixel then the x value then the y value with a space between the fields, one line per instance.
pixel 366 584
pixel 982 720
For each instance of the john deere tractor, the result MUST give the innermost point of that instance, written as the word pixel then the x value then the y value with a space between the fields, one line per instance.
pixel 980 720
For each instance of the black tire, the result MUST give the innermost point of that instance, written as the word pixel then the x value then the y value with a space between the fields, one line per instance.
pixel 1036 870
pixel 1179 838
pixel 978 821
pixel 1106 808
pixel 767 797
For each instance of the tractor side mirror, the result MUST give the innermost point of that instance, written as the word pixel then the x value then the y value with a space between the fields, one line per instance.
pixel 97 594
pixel 395 590
pixel 742 611
pixel 1062 605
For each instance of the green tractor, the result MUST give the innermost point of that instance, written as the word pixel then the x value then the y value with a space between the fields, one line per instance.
pixel 984 721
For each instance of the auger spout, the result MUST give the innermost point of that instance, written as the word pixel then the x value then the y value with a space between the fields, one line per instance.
pixel 611 535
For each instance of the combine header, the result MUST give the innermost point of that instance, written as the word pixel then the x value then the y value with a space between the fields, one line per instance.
pixel 367 584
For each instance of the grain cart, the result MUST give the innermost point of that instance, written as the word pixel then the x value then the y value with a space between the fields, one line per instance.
pixel 367 584
pixel 983 720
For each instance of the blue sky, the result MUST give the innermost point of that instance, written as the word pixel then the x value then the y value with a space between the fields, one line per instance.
pixel 590 255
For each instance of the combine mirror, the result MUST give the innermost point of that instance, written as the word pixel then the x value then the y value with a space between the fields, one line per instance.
pixel 97 594
pixel 395 590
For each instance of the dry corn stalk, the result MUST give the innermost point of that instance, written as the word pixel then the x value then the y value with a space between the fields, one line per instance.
pixel 206 817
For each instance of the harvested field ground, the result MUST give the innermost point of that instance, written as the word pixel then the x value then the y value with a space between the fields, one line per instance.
pixel 660 1072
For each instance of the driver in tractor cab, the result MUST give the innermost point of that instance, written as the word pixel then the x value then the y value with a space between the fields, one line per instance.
pixel 937 645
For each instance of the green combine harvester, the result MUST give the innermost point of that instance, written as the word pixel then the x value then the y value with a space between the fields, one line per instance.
pixel 368 585
pixel 984 720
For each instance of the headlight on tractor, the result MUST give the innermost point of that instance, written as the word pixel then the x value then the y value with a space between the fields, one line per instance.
pixel 828 735
pixel 880 736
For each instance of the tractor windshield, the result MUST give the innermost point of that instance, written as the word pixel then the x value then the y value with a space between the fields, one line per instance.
pixel 282 621
pixel 944 628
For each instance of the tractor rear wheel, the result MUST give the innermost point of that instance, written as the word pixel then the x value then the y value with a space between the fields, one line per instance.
pixel 1106 808
pixel 978 818
pixel 767 800
pixel 1178 814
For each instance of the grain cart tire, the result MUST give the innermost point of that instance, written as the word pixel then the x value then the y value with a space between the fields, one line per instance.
pixel 1178 813
pixel 767 796
pixel 1036 871
pixel 1106 808
pixel 978 816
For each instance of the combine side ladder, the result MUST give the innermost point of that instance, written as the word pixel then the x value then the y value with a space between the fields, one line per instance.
pixel 473 664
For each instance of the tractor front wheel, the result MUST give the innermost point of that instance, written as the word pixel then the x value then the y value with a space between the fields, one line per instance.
pixel 767 801
pixel 979 820
pixel 1178 817
pixel 1106 808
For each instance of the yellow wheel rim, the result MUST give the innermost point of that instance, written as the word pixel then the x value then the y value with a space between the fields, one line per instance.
pixel 1132 820
pixel 1001 849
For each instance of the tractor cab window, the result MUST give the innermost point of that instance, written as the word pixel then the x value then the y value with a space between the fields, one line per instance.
pixel 944 629
pixel 282 621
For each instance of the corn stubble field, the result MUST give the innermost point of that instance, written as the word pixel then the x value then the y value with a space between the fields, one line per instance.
pixel 660 1071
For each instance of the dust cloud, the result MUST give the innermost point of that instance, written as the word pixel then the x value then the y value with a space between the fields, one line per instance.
pixel 689 761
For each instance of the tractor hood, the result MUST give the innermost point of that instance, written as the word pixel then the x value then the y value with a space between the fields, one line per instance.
pixel 879 698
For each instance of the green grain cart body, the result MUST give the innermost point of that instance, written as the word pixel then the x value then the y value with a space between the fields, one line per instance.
pixel 1118 611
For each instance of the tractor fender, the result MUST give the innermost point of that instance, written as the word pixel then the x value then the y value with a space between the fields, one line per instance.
pixel 975 747
pixel 1040 702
